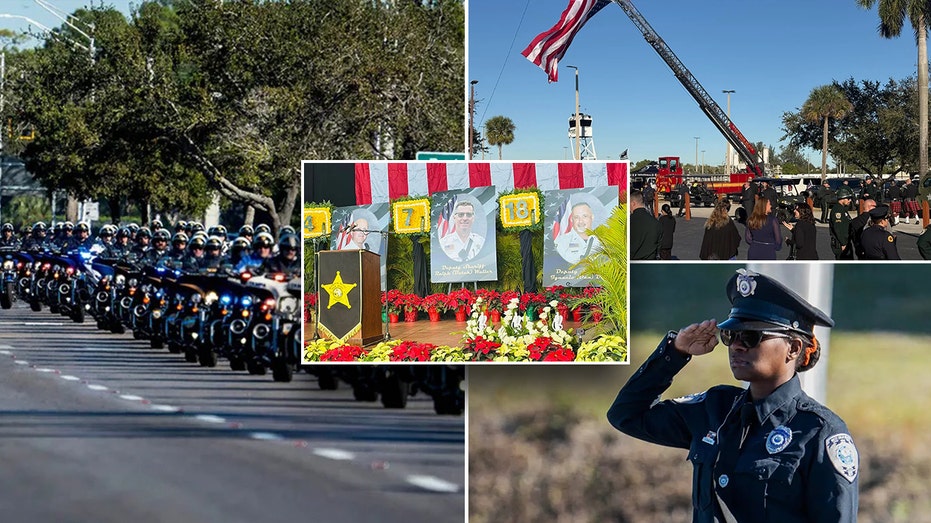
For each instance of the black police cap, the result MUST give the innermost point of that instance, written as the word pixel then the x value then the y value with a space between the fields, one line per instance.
pixel 879 212
pixel 762 303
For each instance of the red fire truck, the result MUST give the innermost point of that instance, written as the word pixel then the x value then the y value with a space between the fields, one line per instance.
pixel 669 176
pixel 670 169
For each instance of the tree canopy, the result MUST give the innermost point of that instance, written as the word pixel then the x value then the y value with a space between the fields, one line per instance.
pixel 188 97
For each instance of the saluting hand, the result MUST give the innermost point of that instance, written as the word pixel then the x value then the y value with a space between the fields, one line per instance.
pixel 697 338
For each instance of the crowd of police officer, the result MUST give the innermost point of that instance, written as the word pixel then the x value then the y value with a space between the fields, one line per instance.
pixel 192 248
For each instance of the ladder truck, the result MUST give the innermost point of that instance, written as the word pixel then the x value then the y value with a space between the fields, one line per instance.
pixel 712 110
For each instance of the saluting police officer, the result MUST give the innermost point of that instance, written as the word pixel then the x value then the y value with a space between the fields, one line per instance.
pixel 879 243
pixel 765 453
pixel 840 225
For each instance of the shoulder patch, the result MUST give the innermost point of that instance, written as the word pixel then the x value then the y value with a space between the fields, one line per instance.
pixel 843 455
pixel 691 398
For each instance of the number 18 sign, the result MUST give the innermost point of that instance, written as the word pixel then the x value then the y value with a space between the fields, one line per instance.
pixel 519 209
pixel 411 216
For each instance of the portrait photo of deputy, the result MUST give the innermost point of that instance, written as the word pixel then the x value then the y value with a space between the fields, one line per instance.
pixel 462 244
pixel 358 233
pixel 576 244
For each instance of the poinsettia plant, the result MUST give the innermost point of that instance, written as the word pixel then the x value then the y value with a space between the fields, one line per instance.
pixel 440 302
pixel 463 297
pixel 532 300
pixel 393 300
pixel 490 298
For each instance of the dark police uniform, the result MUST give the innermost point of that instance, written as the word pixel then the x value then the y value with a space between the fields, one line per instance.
pixel 878 243
pixel 840 229
pixel 783 458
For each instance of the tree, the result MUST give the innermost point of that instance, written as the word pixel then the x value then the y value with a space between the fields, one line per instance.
pixel 824 103
pixel 499 130
pixel 892 15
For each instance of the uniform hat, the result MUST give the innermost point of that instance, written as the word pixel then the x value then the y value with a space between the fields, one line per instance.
pixel 762 303
pixel 844 192
pixel 879 212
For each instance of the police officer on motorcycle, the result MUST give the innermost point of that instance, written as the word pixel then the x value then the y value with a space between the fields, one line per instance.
pixel 159 247
pixel 37 239
pixel 285 261
pixel 7 236
pixel 81 239
pixel 261 249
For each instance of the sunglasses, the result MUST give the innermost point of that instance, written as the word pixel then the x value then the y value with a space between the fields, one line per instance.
pixel 464 214
pixel 749 339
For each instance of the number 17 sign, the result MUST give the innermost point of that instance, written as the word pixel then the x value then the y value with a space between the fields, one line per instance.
pixel 519 209
pixel 411 216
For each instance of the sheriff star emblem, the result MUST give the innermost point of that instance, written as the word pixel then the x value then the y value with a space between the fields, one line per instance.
pixel 338 291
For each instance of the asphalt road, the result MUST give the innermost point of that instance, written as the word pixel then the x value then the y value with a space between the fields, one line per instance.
pixel 689 233
pixel 98 427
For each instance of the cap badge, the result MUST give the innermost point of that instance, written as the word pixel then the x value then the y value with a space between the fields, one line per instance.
pixel 778 439
pixel 746 285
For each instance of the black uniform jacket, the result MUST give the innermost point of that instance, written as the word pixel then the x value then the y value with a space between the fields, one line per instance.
pixel 797 461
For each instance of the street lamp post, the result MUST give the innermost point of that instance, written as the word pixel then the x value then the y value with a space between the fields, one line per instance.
pixel 727 168
pixel 703 161
pixel 696 150
pixel 578 135
pixel 472 119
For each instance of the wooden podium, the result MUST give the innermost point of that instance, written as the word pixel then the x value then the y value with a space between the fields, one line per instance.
pixel 349 296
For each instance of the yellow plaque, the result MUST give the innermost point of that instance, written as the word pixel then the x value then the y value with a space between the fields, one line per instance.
pixel 411 216
pixel 519 210
pixel 316 222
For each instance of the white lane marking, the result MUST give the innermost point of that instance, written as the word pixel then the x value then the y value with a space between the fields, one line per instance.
pixel 42 324
pixel 265 436
pixel 131 397
pixel 68 377
pixel 165 408
pixel 432 483
pixel 21 362
pixel 5 352
pixel 97 387
pixel 43 369
pixel 210 418
pixel 336 454
pixel 6 346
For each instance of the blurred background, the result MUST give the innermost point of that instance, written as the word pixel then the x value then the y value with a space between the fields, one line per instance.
pixel 541 449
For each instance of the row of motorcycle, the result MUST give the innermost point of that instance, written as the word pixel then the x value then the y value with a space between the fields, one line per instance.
pixel 254 322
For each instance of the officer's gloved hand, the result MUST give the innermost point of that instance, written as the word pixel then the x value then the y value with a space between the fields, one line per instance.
pixel 697 338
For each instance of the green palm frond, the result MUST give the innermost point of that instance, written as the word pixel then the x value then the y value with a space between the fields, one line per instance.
pixel 610 267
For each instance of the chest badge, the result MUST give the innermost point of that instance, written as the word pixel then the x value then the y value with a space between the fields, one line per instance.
pixel 778 439
pixel 711 437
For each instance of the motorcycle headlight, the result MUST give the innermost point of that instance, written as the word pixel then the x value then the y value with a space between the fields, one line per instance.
pixel 226 299
pixel 7 265
pixel 120 279
pixel 196 298
pixel 210 298
pixel 133 282
pixel 246 301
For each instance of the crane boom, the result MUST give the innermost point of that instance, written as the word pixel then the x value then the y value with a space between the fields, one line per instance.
pixel 711 108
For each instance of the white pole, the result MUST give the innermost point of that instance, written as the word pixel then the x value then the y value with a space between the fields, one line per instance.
pixel 815 283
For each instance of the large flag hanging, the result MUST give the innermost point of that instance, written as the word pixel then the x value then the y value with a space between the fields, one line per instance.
pixel 548 48
pixel 384 181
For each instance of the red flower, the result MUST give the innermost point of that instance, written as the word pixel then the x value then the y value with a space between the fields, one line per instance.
pixel 560 355
pixel 343 353
pixel 412 351
pixel 483 349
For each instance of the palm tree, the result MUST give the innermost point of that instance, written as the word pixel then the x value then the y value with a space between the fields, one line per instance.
pixel 499 130
pixel 824 103
pixel 892 14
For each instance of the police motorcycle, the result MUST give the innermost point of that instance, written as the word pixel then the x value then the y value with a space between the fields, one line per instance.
pixel 274 332
pixel 196 299
pixel 76 278
pixel 226 311
pixel 155 303
pixel 118 282
pixel 13 266
pixel 394 384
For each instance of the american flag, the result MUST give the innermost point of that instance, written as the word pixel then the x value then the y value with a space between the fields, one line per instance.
pixel 378 182
pixel 561 223
pixel 344 237
pixel 549 46
pixel 444 224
